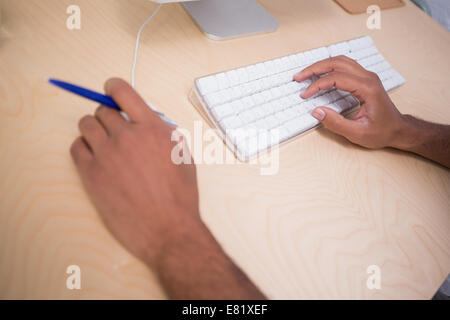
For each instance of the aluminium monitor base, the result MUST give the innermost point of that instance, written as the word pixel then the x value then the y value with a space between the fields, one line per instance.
pixel 227 19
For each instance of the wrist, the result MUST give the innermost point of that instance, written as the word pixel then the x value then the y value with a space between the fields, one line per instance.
pixel 406 135
pixel 191 233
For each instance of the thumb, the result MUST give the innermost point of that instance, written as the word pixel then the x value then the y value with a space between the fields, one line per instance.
pixel 336 122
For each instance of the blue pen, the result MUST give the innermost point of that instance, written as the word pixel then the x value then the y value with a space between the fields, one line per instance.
pixel 100 98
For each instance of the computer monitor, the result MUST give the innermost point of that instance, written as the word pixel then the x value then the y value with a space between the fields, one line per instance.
pixel 227 19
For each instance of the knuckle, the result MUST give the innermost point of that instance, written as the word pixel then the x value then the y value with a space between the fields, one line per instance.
pixel 86 122
pixel 333 62
pixel 337 62
pixel 103 113
pixel 347 59
pixel 100 111
pixel 374 76
pixel 340 60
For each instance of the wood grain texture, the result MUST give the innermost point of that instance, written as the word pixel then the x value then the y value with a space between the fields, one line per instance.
pixel 308 232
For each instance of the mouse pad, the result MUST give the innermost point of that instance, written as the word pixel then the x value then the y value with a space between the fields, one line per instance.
pixel 360 6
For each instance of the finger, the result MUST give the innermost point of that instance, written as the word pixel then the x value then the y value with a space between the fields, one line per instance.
pixel 93 132
pixel 111 120
pixel 129 100
pixel 343 81
pixel 80 153
pixel 337 123
pixel 340 63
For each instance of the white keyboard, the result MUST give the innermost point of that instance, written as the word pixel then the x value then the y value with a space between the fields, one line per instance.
pixel 259 106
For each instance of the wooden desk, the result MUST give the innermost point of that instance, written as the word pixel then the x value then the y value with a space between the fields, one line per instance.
pixel 308 232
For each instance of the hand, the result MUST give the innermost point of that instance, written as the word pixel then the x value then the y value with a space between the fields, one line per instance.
pixel 378 121
pixel 142 196
pixel 151 204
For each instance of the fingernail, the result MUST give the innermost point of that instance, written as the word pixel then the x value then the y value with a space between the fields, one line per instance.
pixel 319 114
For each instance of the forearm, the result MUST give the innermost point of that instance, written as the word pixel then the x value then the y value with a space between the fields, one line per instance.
pixel 427 139
pixel 194 266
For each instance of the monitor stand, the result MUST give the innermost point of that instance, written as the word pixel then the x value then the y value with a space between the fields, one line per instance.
pixel 227 19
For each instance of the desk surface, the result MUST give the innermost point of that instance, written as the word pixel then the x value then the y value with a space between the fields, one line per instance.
pixel 310 231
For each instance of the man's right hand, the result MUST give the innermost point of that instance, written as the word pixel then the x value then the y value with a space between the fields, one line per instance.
pixel 378 123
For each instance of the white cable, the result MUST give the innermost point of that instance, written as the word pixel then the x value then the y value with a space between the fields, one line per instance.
pixel 133 68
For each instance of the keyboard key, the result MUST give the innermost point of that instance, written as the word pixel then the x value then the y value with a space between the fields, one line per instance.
pixel 308 121
pixel 323 53
pixel 248 148
pixel 285 63
pixel 258 98
pixel 233 78
pixel 322 100
pixel 334 96
pixel 242 75
pixel 343 48
pixel 252 72
pixel 272 122
pixel 247 116
pixel 292 125
pixel 292 62
pixel 215 98
pixel 352 100
pixel 238 136
pixel 371 51
pixel 300 109
pixel 359 44
pixel 278 65
pixel 260 70
pixel 332 49
pixel 223 111
pixel 238 105
pixel 343 93
pixel 260 124
pixel 276 105
pixel 309 105
pixel 290 113
pixel 283 132
pixel 270 67
pixel 207 85
pixel 342 105
pixel 248 102
pixel 282 117
pixel 309 57
pixel 301 59
pixel 222 81
pixel 295 99
pixel 266 109
pixel 231 123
